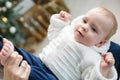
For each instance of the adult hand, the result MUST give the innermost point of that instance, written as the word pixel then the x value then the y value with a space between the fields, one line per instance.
pixel 16 68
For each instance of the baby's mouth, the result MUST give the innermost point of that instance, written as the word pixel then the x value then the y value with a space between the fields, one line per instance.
pixel 80 33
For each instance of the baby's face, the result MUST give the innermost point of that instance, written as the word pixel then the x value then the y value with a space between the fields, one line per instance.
pixel 92 28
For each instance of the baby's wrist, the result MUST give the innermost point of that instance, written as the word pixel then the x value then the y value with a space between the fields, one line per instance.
pixel 105 72
pixel 55 21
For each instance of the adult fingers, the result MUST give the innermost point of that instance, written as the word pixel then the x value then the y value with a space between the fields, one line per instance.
pixel 8 42
pixel 9 69
pixel 24 70
pixel 13 60
pixel 23 66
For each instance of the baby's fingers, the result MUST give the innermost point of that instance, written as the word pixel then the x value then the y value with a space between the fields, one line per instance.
pixel 110 62
pixel 65 16
pixel 110 59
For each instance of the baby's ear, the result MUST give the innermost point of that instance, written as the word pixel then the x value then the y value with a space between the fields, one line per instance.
pixel 101 43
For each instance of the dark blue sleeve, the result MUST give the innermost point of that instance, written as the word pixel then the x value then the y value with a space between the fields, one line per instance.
pixel 1 41
pixel 115 49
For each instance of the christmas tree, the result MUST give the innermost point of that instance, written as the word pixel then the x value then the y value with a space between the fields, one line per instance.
pixel 9 26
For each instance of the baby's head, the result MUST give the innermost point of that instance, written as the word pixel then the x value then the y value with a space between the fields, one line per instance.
pixel 95 27
pixel 110 17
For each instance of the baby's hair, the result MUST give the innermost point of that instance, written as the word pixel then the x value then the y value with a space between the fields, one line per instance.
pixel 109 14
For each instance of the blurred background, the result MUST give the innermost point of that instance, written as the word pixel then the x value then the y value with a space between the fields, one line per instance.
pixel 25 22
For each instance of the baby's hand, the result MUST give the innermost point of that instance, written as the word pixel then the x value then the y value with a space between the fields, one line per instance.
pixel 64 16
pixel 106 63
pixel 7 49
pixel 107 60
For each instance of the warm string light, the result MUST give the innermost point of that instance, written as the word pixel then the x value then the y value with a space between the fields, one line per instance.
pixel 3 10
pixel 4 19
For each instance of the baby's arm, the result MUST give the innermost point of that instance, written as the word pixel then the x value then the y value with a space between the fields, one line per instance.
pixel 57 23
pixel 7 49
pixel 106 64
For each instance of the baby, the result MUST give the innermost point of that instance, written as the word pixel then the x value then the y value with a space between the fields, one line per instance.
pixel 79 50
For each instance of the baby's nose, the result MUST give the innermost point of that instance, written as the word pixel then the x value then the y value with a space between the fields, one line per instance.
pixel 85 27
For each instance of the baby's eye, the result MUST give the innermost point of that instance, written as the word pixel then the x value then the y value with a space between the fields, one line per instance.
pixel 84 21
pixel 93 29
